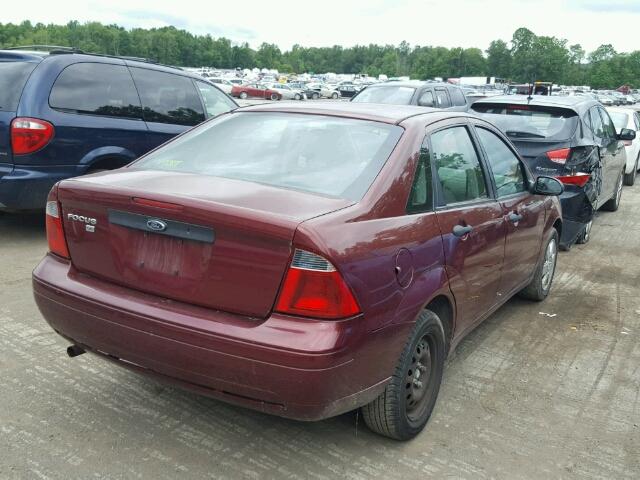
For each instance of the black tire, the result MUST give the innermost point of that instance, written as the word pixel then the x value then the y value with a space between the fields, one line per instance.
pixel 585 236
pixel 243 95
pixel 630 178
pixel 613 204
pixel 315 96
pixel 539 287
pixel 297 96
pixel 334 95
pixel 404 408
pixel 274 97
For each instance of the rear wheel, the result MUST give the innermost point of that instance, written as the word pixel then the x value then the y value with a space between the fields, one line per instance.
pixel 274 96
pixel 334 95
pixel 613 204
pixel 585 236
pixel 315 96
pixel 540 286
pixel 243 95
pixel 297 96
pixel 403 409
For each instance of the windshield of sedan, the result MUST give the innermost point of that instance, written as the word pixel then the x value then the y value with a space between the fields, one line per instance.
pixel 332 156
pixel 530 121
pixel 391 95
pixel 620 119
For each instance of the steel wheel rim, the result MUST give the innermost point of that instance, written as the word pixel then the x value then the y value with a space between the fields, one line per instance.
pixel 549 265
pixel 418 378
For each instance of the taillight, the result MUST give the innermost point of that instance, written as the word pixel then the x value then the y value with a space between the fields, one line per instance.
pixel 580 179
pixel 29 135
pixel 314 288
pixel 55 231
pixel 559 156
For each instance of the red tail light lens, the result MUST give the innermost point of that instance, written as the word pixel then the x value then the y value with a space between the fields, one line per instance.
pixel 559 156
pixel 314 288
pixel 29 135
pixel 55 232
pixel 580 179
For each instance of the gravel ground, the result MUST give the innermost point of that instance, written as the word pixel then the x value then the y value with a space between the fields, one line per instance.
pixel 548 390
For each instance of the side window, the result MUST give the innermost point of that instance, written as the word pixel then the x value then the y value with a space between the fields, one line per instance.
pixel 457 97
pixel 505 166
pixel 168 98
pixel 426 99
pixel 443 98
pixel 215 102
pixel 596 123
pixel 421 196
pixel 457 165
pixel 97 89
pixel 609 127
pixel 636 118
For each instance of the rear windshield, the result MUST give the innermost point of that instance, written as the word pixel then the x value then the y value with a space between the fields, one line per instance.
pixel 13 76
pixel 530 121
pixel 620 119
pixel 390 95
pixel 331 156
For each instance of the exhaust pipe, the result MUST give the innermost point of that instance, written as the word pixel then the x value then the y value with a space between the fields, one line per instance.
pixel 74 350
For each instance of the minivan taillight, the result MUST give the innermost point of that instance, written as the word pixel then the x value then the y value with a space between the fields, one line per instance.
pixel 29 135
pixel 314 288
pixel 559 156
pixel 55 231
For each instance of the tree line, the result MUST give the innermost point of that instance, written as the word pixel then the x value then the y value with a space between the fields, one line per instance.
pixel 524 58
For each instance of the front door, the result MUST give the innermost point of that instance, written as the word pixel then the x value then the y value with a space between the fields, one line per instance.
pixel 471 223
pixel 614 156
pixel 523 212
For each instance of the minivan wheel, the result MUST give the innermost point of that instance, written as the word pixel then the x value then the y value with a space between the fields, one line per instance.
pixel 540 286
pixel 585 236
pixel 613 204
pixel 403 409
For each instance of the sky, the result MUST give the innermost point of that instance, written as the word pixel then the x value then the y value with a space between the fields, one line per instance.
pixel 448 23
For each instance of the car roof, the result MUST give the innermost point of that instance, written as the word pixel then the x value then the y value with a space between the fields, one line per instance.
pixel 22 55
pixel 392 114
pixel 574 102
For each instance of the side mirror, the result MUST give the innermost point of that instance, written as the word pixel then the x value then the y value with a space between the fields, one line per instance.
pixel 627 134
pixel 548 186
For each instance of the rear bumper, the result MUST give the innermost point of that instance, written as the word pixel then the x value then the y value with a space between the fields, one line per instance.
pixel 26 188
pixel 287 366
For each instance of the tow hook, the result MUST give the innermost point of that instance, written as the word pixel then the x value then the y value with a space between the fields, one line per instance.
pixel 75 350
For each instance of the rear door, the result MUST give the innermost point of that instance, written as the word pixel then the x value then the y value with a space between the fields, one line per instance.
pixel 442 98
pixel 614 156
pixel 170 104
pixel 524 213
pixel 471 222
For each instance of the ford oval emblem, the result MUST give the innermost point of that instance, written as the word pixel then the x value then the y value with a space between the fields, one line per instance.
pixel 156 225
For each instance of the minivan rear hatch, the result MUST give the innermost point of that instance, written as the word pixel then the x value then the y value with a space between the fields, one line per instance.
pixel 14 72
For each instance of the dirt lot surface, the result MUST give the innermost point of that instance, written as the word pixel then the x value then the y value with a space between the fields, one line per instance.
pixel 548 390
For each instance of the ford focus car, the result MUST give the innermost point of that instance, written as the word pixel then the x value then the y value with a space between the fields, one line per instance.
pixel 301 260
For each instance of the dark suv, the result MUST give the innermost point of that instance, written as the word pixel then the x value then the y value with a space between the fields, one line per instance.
pixel 424 94
pixel 64 114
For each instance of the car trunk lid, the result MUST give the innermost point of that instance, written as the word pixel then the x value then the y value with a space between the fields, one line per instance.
pixel 225 245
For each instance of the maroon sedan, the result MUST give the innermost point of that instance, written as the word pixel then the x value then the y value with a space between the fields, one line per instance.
pixel 301 260
pixel 255 90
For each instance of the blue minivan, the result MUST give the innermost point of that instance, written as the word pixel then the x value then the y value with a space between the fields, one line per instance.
pixel 64 113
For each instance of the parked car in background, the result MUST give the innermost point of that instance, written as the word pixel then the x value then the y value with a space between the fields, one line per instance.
pixel 606 100
pixel 324 90
pixel 287 92
pixel 347 91
pixel 255 90
pixel 424 94
pixel 304 88
pixel 377 238
pixel 572 139
pixel 64 114
pixel 222 83
pixel 629 119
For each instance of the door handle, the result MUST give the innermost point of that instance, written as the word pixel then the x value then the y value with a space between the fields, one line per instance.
pixel 515 217
pixel 460 231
